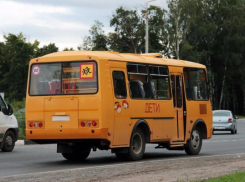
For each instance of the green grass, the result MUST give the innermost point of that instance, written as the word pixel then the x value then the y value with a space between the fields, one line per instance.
pixel 236 177
pixel 18 107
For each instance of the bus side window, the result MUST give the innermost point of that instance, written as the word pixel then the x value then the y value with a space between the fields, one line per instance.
pixel 138 80
pixel 173 88
pixel 159 82
pixel 120 90
pixel 179 91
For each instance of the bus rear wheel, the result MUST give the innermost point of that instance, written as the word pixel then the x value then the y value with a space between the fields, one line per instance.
pixel 137 145
pixel 77 156
pixel 194 144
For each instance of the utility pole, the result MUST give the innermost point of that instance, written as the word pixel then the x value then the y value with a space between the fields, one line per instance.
pixel 146 28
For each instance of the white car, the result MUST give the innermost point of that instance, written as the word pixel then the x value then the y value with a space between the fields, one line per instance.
pixel 224 120
pixel 8 127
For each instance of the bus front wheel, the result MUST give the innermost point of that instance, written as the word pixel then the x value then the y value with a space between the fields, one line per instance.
pixel 194 144
pixel 77 156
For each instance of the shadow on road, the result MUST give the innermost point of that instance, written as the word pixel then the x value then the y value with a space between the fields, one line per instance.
pixel 108 160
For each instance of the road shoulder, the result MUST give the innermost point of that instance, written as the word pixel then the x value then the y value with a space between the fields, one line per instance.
pixel 181 169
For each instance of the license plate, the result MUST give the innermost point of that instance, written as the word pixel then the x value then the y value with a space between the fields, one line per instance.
pixel 61 118
pixel 219 127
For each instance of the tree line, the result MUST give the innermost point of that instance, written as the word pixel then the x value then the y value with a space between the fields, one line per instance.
pixel 210 32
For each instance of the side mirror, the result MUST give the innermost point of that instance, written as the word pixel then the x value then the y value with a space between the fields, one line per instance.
pixel 9 110
pixel 4 110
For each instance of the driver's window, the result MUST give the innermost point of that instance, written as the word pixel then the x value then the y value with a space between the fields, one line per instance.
pixel 2 104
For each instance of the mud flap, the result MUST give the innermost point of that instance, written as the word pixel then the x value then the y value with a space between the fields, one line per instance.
pixel 120 150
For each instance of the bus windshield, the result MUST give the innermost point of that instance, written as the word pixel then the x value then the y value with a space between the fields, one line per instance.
pixel 63 78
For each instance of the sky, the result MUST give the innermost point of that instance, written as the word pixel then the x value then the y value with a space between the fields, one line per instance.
pixel 63 22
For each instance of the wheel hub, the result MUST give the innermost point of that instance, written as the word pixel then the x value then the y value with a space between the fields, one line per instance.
pixel 195 139
pixel 137 143
pixel 9 140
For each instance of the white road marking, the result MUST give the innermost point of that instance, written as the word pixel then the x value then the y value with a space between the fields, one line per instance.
pixel 115 165
pixel 223 141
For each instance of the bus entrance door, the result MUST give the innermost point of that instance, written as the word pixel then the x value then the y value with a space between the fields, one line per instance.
pixel 177 90
pixel 121 108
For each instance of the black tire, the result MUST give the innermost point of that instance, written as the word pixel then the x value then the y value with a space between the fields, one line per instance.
pixel 236 131
pixel 137 145
pixel 194 144
pixel 77 156
pixel 233 131
pixel 8 142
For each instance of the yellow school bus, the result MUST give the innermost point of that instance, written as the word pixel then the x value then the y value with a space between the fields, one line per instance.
pixel 84 100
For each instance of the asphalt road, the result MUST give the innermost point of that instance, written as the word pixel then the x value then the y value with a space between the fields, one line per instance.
pixel 42 158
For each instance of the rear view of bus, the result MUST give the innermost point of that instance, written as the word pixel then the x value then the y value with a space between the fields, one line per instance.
pixel 57 104
pixel 83 100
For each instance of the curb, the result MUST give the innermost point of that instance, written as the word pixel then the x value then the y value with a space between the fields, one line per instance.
pixel 29 142
pixel 20 142
pixel 25 142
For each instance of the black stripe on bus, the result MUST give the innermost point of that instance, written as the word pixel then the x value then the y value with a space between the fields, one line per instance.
pixel 178 141
pixel 155 118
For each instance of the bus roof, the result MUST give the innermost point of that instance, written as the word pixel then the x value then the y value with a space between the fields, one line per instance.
pixel 152 58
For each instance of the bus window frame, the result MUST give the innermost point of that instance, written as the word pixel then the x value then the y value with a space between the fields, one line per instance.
pixel 173 94
pixel 94 61
pixel 169 79
pixel 131 73
pixel 181 91
pixel 148 80
pixel 207 89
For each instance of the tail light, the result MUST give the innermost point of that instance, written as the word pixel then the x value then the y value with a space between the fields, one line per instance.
pixel 94 123
pixel 88 123
pixel 82 124
pixel 31 124
pixel 40 125
pixel 230 120
pixel 35 124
